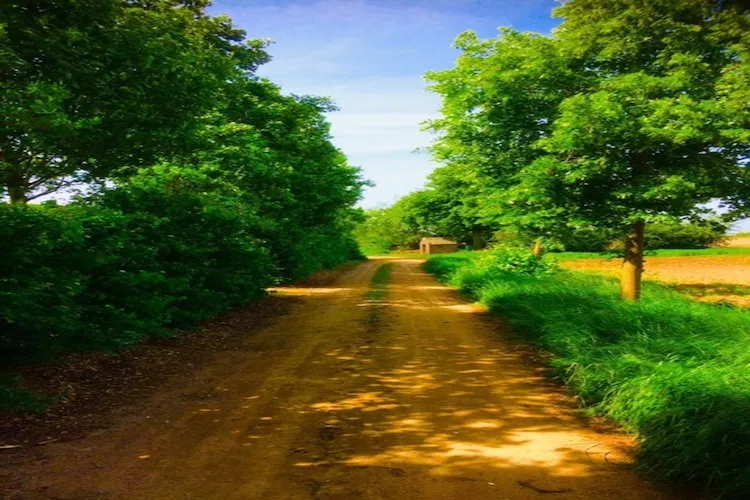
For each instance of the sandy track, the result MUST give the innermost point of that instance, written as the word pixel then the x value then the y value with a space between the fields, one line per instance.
pixel 415 397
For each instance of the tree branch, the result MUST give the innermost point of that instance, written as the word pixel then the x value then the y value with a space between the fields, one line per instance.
pixel 61 184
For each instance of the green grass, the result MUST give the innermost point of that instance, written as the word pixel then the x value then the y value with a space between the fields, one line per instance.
pixel 709 289
pixel 16 399
pixel 563 256
pixel 379 282
pixel 673 371
pixel 375 295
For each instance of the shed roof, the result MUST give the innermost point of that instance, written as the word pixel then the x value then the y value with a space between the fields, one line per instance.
pixel 436 240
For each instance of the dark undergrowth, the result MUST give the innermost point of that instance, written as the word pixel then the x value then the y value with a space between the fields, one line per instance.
pixel 673 371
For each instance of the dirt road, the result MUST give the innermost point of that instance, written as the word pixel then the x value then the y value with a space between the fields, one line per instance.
pixel 414 396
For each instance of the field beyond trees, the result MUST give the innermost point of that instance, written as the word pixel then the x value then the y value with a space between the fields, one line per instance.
pixel 708 278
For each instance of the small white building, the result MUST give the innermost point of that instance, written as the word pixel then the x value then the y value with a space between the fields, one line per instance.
pixel 437 245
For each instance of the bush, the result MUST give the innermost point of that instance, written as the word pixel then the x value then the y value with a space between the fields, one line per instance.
pixel 303 252
pixel 671 370
pixel 587 239
pixel 143 259
pixel 684 236
pixel 132 263
pixel 494 264
pixel 41 278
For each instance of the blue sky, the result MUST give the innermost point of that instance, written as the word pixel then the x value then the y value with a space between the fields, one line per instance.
pixel 370 56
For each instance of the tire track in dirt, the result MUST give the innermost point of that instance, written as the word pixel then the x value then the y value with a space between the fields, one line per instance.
pixel 428 402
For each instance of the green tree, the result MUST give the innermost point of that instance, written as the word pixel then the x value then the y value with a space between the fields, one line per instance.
pixel 275 152
pixel 379 231
pixel 455 205
pixel 429 212
pixel 498 101
pixel 90 86
pixel 634 112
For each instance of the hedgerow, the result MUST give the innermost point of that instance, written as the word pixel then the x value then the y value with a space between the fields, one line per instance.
pixel 133 263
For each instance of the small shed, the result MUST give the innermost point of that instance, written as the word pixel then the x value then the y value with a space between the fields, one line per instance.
pixel 437 245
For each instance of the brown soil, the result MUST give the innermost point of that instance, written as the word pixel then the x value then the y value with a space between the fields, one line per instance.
pixel 738 241
pixel 416 396
pixel 708 278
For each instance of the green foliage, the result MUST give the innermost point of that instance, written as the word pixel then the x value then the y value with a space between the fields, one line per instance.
pixel 92 86
pixel 273 153
pixel 445 266
pixel 431 212
pixel 308 251
pixel 586 239
pixel 684 236
pixel 677 235
pixel 41 277
pixel 665 367
pixel 631 112
pixel 217 184
pixel 18 400
pixel 496 263
pixel 136 261
pixel 383 230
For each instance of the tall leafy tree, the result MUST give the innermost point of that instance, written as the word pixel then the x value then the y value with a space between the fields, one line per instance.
pixel 453 203
pixel 274 153
pixel 498 101
pixel 634 112
pixel 90 86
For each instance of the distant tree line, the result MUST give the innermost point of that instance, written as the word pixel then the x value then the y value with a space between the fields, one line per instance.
pixel 401 226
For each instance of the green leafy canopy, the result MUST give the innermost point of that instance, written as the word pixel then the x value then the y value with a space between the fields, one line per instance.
pixel 630 111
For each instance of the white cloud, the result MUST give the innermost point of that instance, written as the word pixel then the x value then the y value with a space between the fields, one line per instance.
pixel 369 57
pixel 380 115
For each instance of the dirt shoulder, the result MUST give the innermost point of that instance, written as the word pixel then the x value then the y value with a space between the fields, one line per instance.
pixel 92 389
pixel 430 401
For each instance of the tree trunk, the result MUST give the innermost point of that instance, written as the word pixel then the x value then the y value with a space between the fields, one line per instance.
pixel 16 195
pixel 632 264
pixel 477 242
pixel 538 249
pixel 16 188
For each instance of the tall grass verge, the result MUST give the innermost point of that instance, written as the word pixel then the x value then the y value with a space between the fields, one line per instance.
pixel 674 372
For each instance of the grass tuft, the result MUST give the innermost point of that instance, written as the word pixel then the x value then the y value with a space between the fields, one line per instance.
pixel 16 399
pixel 673 371
pixel 379 282
pixel 375 295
